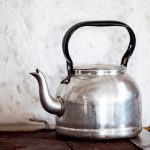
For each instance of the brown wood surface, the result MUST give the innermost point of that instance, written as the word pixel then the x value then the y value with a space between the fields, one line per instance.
pixel 48 140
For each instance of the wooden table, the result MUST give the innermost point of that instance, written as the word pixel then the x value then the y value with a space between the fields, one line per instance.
pixel 48 140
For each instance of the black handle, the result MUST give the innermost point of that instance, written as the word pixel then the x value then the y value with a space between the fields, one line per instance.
pixel 69 33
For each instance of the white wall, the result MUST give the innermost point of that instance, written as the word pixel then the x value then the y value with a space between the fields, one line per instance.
pixel 31 33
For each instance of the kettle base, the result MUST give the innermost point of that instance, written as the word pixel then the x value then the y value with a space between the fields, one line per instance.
pixel 99 134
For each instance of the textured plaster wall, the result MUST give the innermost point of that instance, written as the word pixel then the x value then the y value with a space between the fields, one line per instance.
pixel 31 33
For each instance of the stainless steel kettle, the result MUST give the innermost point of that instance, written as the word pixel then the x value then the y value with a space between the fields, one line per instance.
pixel 96 101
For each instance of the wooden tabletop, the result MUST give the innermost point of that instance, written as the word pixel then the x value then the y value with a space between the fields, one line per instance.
pixel 48 140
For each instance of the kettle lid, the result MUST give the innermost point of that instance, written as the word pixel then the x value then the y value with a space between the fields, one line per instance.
pixel 100 69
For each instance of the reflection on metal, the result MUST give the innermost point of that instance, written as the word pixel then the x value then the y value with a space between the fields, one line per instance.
pixel 47 126
pixel 147 128
pixel 98 101
pixel 50 104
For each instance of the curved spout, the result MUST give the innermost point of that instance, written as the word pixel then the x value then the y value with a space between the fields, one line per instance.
pixel 50 104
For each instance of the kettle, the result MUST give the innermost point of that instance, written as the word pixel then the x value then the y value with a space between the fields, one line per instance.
pixel 96 101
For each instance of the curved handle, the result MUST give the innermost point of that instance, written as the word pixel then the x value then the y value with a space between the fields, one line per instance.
pixel 69 33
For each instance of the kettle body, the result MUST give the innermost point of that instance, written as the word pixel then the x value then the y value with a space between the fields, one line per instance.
pixel 100 106
pixel 95 101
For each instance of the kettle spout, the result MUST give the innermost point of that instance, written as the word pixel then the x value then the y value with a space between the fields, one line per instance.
pixel 50 104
